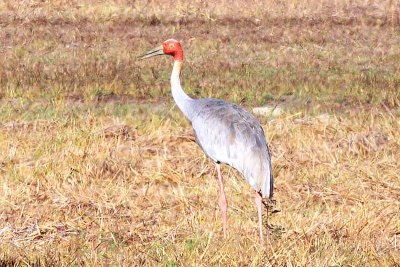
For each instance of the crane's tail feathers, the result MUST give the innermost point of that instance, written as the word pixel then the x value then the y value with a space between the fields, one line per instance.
pixel 271 186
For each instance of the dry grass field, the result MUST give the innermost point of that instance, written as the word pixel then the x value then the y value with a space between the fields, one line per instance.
pixel 98 167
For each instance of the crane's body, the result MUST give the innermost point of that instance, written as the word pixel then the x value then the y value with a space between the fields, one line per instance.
pixel 230 135
pixel 226 133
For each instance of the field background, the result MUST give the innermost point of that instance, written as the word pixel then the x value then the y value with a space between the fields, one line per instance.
pixel 99 167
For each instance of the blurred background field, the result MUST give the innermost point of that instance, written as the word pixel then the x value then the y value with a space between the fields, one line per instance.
pixel 98 166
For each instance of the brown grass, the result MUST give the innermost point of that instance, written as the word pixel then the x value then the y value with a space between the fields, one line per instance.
pixel 98 167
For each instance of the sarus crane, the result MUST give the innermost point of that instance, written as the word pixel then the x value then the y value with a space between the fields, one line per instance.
pixel 227 133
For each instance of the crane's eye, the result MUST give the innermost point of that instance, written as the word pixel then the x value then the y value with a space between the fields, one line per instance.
pixel 171 46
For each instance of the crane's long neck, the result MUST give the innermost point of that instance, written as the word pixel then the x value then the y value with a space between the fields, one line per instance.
pixel 184 102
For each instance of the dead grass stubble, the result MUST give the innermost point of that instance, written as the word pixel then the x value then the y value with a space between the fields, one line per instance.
pixel 112 194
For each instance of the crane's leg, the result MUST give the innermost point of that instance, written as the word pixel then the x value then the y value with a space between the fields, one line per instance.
pixel 258 201
pixel 222 198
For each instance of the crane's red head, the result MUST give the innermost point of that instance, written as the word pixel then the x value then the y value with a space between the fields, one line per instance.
pixel 173 48
pixel 170 47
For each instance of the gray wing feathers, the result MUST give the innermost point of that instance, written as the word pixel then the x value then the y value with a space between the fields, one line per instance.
pixel 229 134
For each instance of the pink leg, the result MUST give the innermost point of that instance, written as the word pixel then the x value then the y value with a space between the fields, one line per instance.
pixel 222 198
pixel 258 201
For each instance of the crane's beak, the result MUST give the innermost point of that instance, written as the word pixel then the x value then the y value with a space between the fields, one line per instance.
pixel 153 52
